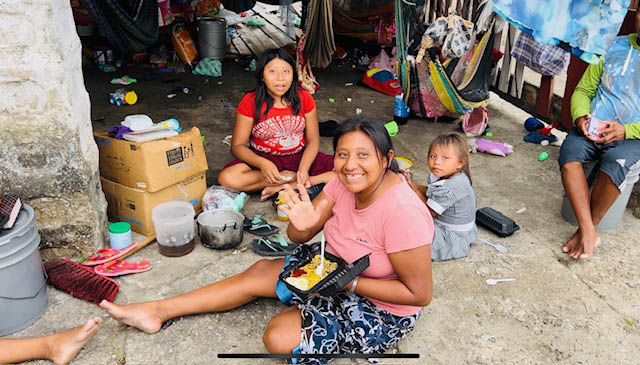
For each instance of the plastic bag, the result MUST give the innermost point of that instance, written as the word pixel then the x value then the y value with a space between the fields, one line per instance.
pixel 183 44
pixel 217 197
pixel 475 122
pixel 383 61
pixel 230 17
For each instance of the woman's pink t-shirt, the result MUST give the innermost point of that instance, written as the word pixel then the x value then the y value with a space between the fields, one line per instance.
pixel 397 221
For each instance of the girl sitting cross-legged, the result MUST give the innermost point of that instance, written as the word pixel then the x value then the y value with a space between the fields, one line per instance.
pixel 279 121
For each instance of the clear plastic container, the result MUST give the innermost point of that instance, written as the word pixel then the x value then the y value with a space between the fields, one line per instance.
pixel 175 227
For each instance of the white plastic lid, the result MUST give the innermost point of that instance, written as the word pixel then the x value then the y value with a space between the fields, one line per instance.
pixel 137 122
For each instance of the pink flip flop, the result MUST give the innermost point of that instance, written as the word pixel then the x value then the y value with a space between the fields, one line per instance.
pixel 121 267
pixel 108 254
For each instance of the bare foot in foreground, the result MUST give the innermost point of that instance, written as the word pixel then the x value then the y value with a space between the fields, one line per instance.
pixel 270 191
pixel 64 346
pixel 140 316
pixel 582 244
pixel 571 243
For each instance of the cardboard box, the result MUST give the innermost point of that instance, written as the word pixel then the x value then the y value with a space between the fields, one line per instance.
pixel 135 205
pixel 151 166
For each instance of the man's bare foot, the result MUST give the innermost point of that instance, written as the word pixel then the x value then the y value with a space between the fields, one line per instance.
pixel 64 346
pixel 141 316
pixel 587 242
pixel 571 243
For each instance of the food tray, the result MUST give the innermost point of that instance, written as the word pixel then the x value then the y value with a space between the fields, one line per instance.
pixel 496 222
pixel 335 281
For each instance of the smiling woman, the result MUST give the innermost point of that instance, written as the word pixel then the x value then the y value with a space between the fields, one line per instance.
pixel 367 209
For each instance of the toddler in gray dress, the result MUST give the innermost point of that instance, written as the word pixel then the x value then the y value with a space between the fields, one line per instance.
pixel 449 197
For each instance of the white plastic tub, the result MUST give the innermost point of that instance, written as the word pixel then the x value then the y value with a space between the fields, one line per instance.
pixel 174 225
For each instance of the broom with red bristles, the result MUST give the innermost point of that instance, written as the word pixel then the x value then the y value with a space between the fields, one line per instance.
pixel 82 282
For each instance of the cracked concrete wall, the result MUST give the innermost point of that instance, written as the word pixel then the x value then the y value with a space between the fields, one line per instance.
pixel 47 152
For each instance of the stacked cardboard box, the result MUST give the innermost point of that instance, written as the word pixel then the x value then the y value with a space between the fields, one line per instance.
pixel 138 176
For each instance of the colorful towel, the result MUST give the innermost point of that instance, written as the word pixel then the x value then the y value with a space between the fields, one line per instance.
pixel 588 26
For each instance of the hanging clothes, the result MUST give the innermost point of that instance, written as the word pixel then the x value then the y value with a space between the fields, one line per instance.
pixel 589 27
pixel 545 59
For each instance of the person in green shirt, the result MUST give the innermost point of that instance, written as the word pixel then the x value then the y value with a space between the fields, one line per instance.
pixel 608 92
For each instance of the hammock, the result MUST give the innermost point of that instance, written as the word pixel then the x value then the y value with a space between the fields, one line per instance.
pixel 473 90
pixel 129 25
pixel 320 45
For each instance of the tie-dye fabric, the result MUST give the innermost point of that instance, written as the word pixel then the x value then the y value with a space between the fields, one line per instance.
pixel 588 26
pixel 617 97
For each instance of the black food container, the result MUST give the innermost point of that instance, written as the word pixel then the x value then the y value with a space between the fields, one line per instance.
pixel 332 283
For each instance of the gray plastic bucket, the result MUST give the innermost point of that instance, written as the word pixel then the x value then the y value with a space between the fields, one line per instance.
pixel 614 215
pixel 23 290
pixel 212 37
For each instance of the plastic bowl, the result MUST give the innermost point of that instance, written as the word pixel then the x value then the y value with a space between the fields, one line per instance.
pixel 174 225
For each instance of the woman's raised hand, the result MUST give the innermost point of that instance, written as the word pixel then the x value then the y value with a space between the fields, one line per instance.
pixel 298 207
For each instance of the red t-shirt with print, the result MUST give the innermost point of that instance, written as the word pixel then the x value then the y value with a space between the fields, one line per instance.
pixel 279 132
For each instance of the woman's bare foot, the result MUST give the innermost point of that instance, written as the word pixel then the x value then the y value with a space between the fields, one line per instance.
pixel 141 316
pixel 64 346
pixel 270 191
pixel 288 177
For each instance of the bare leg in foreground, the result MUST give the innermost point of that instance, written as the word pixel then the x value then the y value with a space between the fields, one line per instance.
pixel 59 347
pixel 259 280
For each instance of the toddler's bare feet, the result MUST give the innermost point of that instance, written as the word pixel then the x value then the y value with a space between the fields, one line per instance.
pixel 141 316
pixel 64 346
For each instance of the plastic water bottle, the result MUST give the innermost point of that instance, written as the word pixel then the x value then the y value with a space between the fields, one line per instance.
pixel 400 110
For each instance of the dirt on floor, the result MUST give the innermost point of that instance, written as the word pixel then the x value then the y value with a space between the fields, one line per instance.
pixel 556 310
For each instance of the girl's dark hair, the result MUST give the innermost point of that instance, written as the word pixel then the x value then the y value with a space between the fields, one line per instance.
pixel 291 96
pixel 375 131
pixel 460 146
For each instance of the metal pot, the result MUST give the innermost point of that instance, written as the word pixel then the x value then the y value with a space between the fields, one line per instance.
pixel 220 229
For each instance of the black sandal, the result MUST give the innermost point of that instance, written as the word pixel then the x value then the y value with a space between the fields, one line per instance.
pixel 259 227
pixel 273 246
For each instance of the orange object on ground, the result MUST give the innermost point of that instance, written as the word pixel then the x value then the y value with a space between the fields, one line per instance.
pixel 183 43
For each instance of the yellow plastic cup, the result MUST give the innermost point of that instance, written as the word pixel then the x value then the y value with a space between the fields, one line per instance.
pixel 131 97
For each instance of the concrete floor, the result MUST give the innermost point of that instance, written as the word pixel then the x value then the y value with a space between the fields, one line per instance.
pixel 557 310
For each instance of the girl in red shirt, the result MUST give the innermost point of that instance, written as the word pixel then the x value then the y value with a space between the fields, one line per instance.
pixel 279 123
